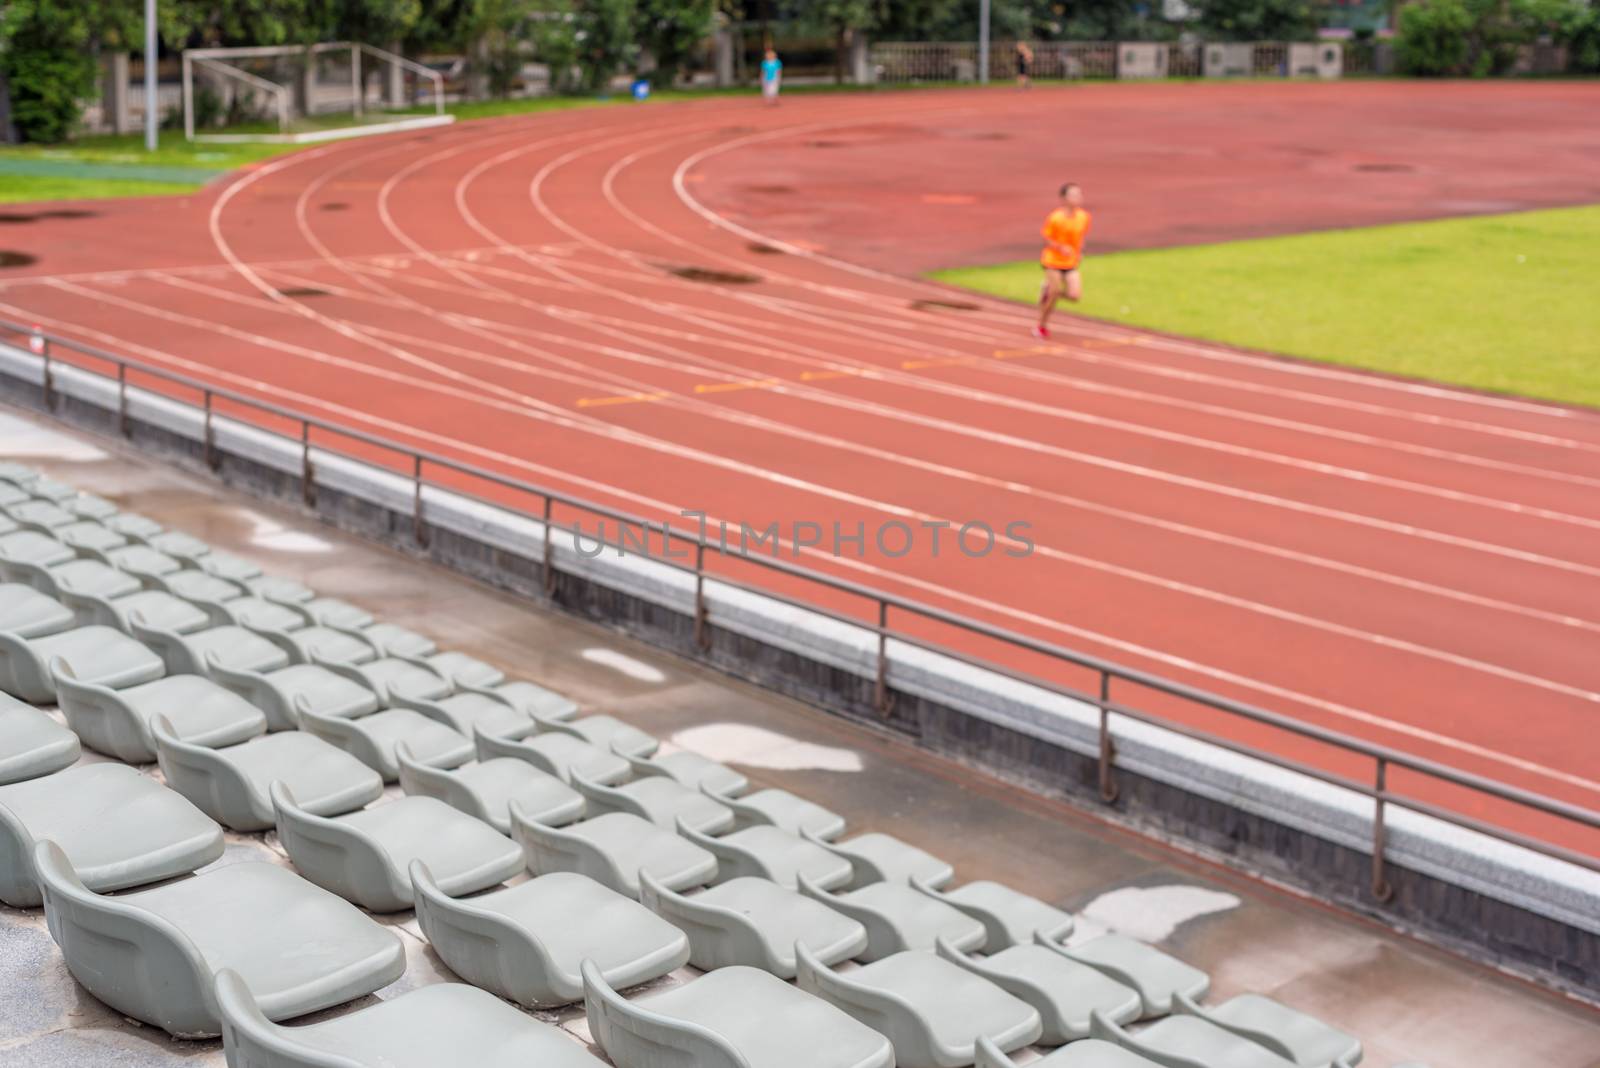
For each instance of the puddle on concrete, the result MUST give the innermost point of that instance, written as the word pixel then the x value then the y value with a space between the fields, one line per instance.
pixel 20 440
pixel 757 747
pixel 1152 913
pixel 269 534
pixel 624 664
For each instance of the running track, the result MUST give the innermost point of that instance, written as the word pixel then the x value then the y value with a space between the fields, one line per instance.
pixel 1416 565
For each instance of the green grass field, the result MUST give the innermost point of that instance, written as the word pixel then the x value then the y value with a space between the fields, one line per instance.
pixel 1509 303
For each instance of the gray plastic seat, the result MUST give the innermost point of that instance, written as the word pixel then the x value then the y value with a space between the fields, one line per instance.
pixel 398 641
pixel 692 770
pixel 1089 1053
pixel 899 918
pixel 43 516
pixel 612 849
pixel 1011 917
pixel 485 789
pixel 429 1027
pixel 756 923
pixel 660 800
pixel 88 538
pixel 730 1018
pixel 332 612
pixel 31 743
pixel 280 589
pixel 374 738
pixel 117 722
pixel 88 506
pixel 466 672
pixel 230 785
pixel 1063 991
pixel 603 732
pixel 533 700
pixel 280 693
pixel 97 654
pixel 143 563
pixel 134 527
pixel 562 755
pixel 31 547
pixel 152 954
pixel 394 677
pixel 766 852
pixel 320 645
pixel 157 608
pixel 94 578
pixel 117 827
pixel 931 1010
pixel 1188 1042
pixel 228 566
pixel 27 613
pixel 19 475
pixel 209 591
pixel 468 712
pixel 1157 976
pixel 51 489
pixel 1294 1035
pixel 780 808
pixel 267 617
pixel 883 858
pixel 363 856
pixel 196 652
pixel 527 942
pixel 175 543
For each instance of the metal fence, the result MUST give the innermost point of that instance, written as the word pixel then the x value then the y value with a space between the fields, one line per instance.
pixel 887 616
pixel 907 62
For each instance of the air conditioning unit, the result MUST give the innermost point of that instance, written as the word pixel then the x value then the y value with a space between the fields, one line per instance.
pixel 1228 60
pixel 1325 59
pixel 1141 60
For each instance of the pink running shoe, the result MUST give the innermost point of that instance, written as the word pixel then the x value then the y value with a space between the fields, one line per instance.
pixel 1042 332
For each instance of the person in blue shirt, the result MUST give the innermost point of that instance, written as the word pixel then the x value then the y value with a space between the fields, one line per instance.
pixel 771 77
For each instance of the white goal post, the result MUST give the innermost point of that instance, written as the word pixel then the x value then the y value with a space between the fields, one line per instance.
pixel 223 63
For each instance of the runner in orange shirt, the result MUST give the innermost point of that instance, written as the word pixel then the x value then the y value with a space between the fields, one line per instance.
pixel 1063 234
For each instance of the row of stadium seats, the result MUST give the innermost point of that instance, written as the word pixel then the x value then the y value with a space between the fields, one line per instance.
pixel 267 706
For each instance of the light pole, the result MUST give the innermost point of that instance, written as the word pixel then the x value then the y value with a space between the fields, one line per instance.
pixel 983 42
pixel 152 114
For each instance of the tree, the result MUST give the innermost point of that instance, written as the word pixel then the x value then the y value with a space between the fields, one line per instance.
pixel 672 30
pixel 1465 37
pixel 605 40
pixel 50 58
pixel 1257 20
pixel 840 19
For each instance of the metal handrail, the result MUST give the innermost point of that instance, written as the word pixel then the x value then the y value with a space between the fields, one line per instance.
pixel 1383 757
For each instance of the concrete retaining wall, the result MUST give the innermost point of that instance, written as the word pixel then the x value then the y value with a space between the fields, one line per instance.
pixel 1519 910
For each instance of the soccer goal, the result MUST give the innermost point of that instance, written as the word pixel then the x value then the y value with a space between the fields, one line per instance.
pixel 295 93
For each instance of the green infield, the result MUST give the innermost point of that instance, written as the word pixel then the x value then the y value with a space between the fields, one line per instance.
pixel 1503 302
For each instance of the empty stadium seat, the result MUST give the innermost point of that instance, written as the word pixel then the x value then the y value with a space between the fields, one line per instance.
pixel 281 692
pixel 1157 976
pixel 603 732
pixel 485 789
pixel 39 515
pixel 374 738
pixel 31 743
pixel 88 506
pixel 1063 991
pixel 1090 1053
pixel 690 769
pixel 157 608
pixel 88 538
pixel 117 722
pixel 755 923
pixel 134 527
pixel 1188 1042
pixel 363 855
pixel 729 1018
pixel 532 700
pixel 767 852
pixel 558 753
pixel 779 808
pixel 661 800
pixel 97 654
pixel 230 785
pixel 899 918
pixel 30 547
pixel 117 828
pixel 399 641
pixel 27 613
pixel 442 1024
pixel 228 566
pixel 612 850
pixel 467 711
pixel 194 653
pixel 527 942
pixel 152 954
pixel 143 563
pixel 394 676
pixel 1288 1032
pixel 931 1010
pixel 879 858
pixel 1010 917
pixel 280 589
pixel 89 577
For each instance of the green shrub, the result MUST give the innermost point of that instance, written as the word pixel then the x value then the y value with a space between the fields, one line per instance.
pixel 48 86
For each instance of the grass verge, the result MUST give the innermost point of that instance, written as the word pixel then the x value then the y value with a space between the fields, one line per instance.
pixel 1503 302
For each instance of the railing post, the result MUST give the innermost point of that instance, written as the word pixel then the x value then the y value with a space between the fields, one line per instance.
pixel 1380 885
pixel 41 345
pixel 122 399
pixel 881 696
pixel 308 483
pixel 1108 749
pixel 418 530
pixel 210 454
pixel 700 637
pixel 549 569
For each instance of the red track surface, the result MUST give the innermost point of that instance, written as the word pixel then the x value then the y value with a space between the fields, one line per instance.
pixel 1413 564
